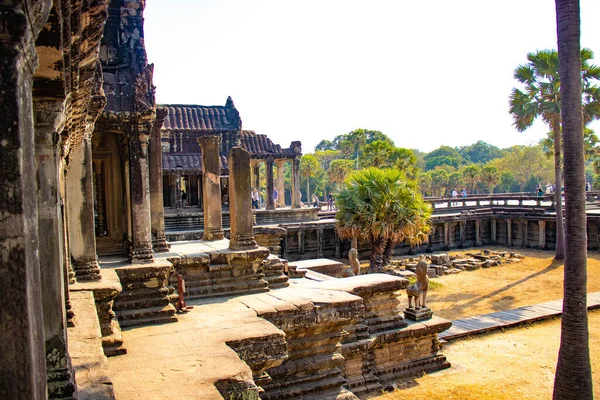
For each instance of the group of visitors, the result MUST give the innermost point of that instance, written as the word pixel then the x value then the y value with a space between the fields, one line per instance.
pixel 463 194
pixel 257 200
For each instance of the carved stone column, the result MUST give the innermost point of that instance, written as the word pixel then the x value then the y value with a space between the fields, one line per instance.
pixel 494 238
pixel 270 184
pixel 211 187
pixel 280 182
pixel 463 233
pixel 80 207
pixel 523 233
pixel 99 190
pixel 296 183
pixel 139 184
pixel 542 234
pixel 301 241
pixel 159 241
pixel 509 232
pixel 446 235
pixel 240 202
pixel 478 232
pixel 22 370
pixel 49 119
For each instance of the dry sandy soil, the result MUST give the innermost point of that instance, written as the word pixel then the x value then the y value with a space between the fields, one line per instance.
pixel 517 363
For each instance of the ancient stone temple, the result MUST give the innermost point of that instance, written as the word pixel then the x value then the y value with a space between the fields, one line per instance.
pixel 182 154
pixel 84 252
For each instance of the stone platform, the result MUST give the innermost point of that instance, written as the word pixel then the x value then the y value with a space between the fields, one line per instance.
pixel 321 265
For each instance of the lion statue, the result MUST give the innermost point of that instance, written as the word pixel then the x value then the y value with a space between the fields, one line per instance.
pixel 354 268
pixel 418 290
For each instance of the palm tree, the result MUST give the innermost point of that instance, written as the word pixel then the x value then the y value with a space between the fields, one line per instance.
pixel 357 138
pixel 573 378
pixel 309 166
pixel 338 170
pixel 489 175
pixel 471 174
pixel 541 98
pixel 383 206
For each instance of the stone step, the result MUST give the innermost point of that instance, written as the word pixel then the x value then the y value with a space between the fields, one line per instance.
pixel 140 303
pixel 145 316
pixel 224 290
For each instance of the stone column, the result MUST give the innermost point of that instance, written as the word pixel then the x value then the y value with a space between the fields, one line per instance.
pixel 211 187
pixel 139 184
pixel 280 182
pixel 319 242
pixel 159 241
pixel 49 119
pixel 80 207
pixel 478 232
pixel 463 233
pixel 240 201
pixel 509 232
pixel 300 241
pixel 494 238
pixel 296 183
pixel 270 184
pixel 542 234
pixel 22 370
pixel 524 233
pixel 446 235
pixel 255 171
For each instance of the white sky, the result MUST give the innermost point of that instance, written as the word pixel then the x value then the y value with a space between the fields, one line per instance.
pixel 426 73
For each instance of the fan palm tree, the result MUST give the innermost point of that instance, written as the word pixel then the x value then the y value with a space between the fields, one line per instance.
pixel 541 98
pixel 573 378
pixel 381 205
pixel 309 166
pixel 338 170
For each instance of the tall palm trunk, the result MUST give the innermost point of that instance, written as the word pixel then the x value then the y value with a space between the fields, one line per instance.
pixel 388 251
pixel 573 379
pixel 376 259
pixel 308 199
pixel 560 232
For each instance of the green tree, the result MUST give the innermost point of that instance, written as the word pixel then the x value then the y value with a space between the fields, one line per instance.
pixel 472 173
pixel 541 98
pixel 573 378
pixel 455 180
pixel 507 181
pixel 325 145
pixel 590 143
pixel 309 166
pixel 489 177
pixel 439 181
pixel 376 154
pixel 405 160
pixel 480 152
pixel 424 180
pixel 523 162
pixel 383 206
pixel 338 170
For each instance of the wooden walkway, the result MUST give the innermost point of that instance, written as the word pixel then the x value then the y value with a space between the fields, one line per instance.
pixel 503 319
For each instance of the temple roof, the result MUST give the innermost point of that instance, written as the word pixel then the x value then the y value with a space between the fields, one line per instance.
pixel 259 144
pixel 187 163
pixel 192 117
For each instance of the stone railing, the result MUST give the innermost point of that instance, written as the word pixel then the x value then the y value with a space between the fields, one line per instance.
pixel 473 203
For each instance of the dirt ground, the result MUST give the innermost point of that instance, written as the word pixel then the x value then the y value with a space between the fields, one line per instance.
pixel 514 364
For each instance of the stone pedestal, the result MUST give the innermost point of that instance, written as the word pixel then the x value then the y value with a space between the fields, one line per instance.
pixel 240 201
pixel 139 184
pixel 49 117
pixel 159 241
pixel 418 314
pixel 80 208
pixel 211 187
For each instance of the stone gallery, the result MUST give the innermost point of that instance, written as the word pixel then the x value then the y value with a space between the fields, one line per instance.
pixel 82 170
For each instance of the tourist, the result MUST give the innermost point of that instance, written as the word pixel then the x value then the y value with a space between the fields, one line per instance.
pixel 454 193
pixel 275 197
pixel 540 191
pixel 183 198
pixel 330 203
pixel 588 186
pixel 464 193
pixel 315 200
pixel 254 198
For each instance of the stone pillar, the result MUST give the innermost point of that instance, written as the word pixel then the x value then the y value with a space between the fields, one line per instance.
pixel 22 370
pixel 280 182
pixel 509 232
pixel 270 184
pixel 446 235
pixel 338 246
pixel 300 241
pixel 524 233
pixel 478 232
pixel 211 187
pixel 494 238
pixel 542 234
pixel 463 233
pixel 100 227
pixel 296 183
pixel 139 184
pixel 240 201
pixel 80 207
pixel 254 172
pixel 49 119
pixel 320 243
pixel 159 241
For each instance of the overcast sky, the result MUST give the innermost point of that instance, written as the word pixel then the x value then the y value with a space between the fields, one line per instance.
pixel 426 73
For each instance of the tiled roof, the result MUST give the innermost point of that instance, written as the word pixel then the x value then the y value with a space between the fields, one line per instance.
pixel 259 143
pixel 193 117
pixel 190 164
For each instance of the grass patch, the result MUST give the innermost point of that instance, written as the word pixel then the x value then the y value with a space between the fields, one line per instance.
pixel 434 284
